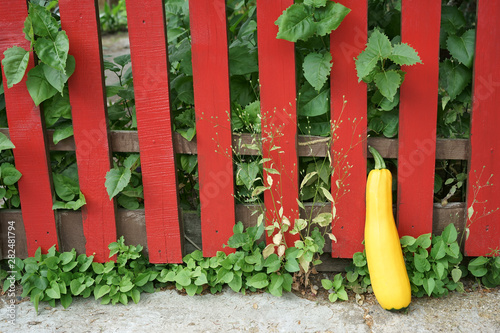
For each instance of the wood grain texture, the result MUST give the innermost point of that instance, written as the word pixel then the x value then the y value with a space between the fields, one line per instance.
pixel 349 105
pixel 148 48
pixel 6 216
pixel 87 98
pixel 213 122
pixel 485 145
pixel 279 114
pixel 418 118
pixel 27 135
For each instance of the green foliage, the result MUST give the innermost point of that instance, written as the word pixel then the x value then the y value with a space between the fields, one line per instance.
pixel 51 46
pixel 336 288
pixel 124 180
pixel 436 272
pixel 301 21
pixel 487 269
pixel 55 276
pixel 378 63
pixel 9 175
pixel 113 18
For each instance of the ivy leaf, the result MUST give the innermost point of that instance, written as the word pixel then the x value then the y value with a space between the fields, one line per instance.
pixel 330 17
pixel 38 87
pixel 317 67
pixel 53 52
pixel 58 78
pixel 388 83
pixel 295 23
pixel 454 78
pixel 116 180
pixel 15 64
pixel 404 54
pixel 311 103
pixel 462 48
pixel 5 142
pixel 44 25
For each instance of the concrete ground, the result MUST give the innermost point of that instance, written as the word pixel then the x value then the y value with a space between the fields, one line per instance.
pixel 168 311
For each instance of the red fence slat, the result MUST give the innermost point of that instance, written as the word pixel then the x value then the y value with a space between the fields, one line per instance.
pixel 87 97
pixel 213 123
pixel 27 134
pixel 485 146
pixel 418 117
pixel 278 109
pixel 346 44
pixel 146 22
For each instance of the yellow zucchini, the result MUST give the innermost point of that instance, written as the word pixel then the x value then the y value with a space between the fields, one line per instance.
pixel 384 256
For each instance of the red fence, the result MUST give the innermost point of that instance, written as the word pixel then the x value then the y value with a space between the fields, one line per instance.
pixel 417 147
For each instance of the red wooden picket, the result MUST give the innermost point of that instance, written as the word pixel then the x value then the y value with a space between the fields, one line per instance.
pixel 147 34
pixel 346 43
pixel 485 146
pixel 87 97
pixel 278 109
pixel 26 133
pixel 213 122
pixel 418 117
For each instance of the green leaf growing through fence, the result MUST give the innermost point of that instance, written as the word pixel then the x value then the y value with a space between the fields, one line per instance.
pixel 38 87
pixel 462 48
pixel 388 83
pixel 296 23
pixel 54 52
pixel 15 64
pixel 454 78
pixel 5 142
pixel 44 25
pixel 317 68
pixel 403 54
pixel 116 180
pixel 9 174
pixel 330 17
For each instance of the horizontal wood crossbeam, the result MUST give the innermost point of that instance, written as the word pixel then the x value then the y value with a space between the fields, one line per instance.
pixel 308 145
